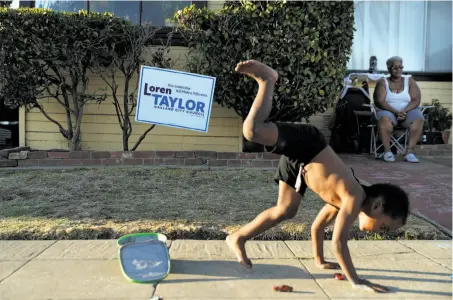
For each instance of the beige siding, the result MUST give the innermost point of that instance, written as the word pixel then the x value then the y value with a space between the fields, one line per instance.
pixel 436 90
pixel 178 56
pixel 101 130
pixel 321 121
pixel 215 5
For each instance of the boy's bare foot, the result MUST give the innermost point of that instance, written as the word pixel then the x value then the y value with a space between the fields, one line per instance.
pixel 237 245
pixel 328 265
pixel 258 71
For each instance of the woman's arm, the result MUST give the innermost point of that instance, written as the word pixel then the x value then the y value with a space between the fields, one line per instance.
pixel 415 94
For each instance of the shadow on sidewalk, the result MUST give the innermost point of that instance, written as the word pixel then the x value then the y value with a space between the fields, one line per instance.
pixel 403 279
pixel 407 272
pixel 232 269
pixel 227 270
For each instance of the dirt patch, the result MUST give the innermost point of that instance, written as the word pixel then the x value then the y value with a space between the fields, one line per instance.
pixel 104 203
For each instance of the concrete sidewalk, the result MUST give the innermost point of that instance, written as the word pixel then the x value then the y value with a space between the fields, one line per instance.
pixel 207 270
pixel 429 183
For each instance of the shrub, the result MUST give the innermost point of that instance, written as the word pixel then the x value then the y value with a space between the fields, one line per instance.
pixel 308 43
pixel 45 54
pixel 438 118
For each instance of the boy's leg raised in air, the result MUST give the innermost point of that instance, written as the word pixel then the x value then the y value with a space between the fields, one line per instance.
pixel 256 130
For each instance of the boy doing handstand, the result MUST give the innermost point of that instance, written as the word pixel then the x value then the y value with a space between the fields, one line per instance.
pixel 307 161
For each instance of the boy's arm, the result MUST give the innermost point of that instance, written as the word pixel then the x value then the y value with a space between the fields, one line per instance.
pixel 325 216
pixel 346 216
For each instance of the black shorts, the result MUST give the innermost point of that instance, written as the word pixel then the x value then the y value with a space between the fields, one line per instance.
pixel 297 144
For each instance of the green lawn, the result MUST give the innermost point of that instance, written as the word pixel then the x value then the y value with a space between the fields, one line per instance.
pixel 182 203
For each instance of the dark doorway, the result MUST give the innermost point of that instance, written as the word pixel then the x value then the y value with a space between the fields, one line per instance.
pixel 9 126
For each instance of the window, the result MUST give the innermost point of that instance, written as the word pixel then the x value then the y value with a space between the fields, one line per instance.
pixel 158 12
pixel 62 5
pixel 129 10
pixel 418 31
pixel 438 36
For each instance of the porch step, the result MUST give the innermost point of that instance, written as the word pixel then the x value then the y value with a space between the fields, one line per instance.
pixel 8 163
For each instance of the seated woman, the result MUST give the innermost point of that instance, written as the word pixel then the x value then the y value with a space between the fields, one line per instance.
pixel 397 99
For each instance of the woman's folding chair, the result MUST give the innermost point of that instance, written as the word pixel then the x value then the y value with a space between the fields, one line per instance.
pixel 399 138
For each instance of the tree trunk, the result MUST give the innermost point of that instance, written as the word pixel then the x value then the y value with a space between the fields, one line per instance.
pixel 127 122
pixel 75 141
pixel 68 117
pixel 125 141
pixel 78 108
pixel 142 137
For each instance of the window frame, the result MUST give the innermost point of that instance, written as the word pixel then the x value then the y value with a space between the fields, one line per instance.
pixel 418 76
pixel 161 35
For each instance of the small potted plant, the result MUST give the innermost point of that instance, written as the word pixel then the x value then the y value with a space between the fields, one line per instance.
pixel 437 124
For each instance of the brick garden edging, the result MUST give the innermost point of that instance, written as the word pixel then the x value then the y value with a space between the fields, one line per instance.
pixel 149 158
pixel 23 158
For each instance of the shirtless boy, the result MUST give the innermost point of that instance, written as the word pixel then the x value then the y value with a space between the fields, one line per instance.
pixel 305 153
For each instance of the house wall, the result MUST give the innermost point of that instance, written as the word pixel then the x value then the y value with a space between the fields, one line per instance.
pixel 101 130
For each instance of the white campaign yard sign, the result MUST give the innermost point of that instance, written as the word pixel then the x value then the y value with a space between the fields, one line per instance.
pixel 174 98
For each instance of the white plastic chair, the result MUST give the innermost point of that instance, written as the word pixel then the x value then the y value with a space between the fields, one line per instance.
pixel 394 140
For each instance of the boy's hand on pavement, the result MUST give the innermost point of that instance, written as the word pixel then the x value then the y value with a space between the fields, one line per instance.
pixel 328 265
pixel 369 286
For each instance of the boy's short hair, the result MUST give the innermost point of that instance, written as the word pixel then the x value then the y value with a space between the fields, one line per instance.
pixel 395 199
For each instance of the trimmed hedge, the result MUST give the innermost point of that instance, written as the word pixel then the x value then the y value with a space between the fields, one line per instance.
pixel 45 53
pixel 307 42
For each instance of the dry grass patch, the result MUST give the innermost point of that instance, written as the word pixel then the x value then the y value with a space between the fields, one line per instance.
pixel 95 203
